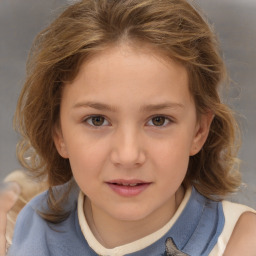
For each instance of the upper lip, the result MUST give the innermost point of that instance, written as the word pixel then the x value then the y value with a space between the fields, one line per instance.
pixel 127 181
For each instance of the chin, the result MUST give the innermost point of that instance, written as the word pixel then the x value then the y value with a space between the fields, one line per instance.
pixel 129 214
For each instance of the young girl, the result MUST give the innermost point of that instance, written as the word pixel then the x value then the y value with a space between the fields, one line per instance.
pixel 120 111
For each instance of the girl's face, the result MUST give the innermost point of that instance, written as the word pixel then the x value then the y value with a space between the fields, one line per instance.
pixel 128 125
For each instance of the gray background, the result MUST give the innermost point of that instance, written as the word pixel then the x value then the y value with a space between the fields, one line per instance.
pixel 234 20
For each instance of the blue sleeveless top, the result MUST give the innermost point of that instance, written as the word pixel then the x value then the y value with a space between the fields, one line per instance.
pixel 195 232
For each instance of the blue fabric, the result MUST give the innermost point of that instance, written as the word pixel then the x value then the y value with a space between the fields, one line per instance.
pixel 195 232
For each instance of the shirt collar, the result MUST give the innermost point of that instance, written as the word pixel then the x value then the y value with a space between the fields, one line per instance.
pixel 130 247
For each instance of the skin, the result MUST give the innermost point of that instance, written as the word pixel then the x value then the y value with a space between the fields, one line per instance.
pixel 127 87
pixel 242 241
pixel 9 193
pixel 126 155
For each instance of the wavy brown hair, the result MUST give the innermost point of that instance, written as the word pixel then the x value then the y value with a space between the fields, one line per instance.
pixel 172 27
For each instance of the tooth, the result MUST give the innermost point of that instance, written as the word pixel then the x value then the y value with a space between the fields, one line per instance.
pixel 129 184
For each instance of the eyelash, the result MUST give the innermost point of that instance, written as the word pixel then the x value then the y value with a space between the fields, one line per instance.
pixel 167 120
pixel 88 121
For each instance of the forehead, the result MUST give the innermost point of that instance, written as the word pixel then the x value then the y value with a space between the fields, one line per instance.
pixel 124 70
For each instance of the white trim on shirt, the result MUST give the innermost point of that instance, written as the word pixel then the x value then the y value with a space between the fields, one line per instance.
pixel 130 247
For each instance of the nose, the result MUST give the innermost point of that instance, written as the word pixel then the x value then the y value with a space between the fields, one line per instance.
pixel 127 149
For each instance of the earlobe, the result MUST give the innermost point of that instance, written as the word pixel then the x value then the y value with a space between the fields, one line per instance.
pixel 59 142
pixel 201 132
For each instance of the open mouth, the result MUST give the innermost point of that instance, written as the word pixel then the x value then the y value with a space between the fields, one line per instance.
pixel 128 184
pixel 128 188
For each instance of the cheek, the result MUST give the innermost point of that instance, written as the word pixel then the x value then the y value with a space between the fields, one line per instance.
pixel 86 160
pixel 172 154
pixel 87 164
pixel 175 146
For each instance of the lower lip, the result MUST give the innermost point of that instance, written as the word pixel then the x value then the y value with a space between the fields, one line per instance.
pixel 128 191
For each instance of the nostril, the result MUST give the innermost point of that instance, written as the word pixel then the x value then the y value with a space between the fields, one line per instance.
pixel 128 158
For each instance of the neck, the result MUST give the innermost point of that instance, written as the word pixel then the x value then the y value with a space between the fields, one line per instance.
pixel 112 232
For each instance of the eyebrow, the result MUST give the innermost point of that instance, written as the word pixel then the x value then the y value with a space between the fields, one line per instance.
pixel 155 107
pixel 96 105
pixel 144 108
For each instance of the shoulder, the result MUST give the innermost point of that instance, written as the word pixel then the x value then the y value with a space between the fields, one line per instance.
pixel 232 212
pixel 29 229
pixel 242 240
pixel 33 235
pixel 30 212
pixel 234 236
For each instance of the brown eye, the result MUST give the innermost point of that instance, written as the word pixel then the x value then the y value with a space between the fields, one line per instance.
pixel 96 121
pixel 158 120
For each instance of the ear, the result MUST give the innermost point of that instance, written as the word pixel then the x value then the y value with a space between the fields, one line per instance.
pixel 201 132
pixel 59 142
